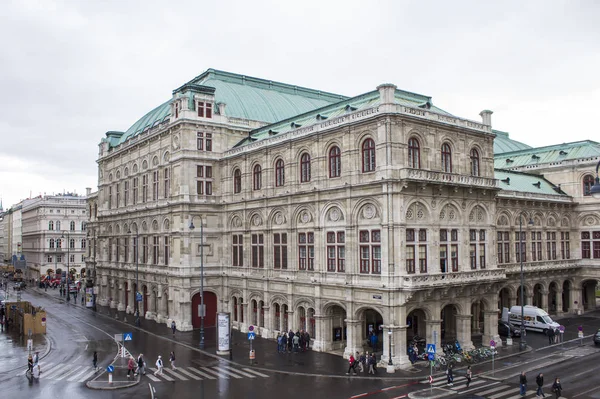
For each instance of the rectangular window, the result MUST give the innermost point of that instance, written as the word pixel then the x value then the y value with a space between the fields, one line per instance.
pixel 503 247
pixel 126 249
pixel 200 187
pixel 565 250
pixel 49 258
pixel 200 171
pixel 110 249
pixel 596 249
pixel 125 193
pixel 155 250
pixel 144 188
pixel 238 249
pixel 473 256
pixel 585 250
pixel 109 197
pixel 443 235
pixel 443 258
pixel 208 170
pixel 58 258
pixel 208 188
pixel 551 245
pixel 454 235
pixel 454 257
pixel 370 251
pixel 155 186
pixel 135 249
pixel 336 251
pixel 72 258
pixel 204 109
pixel 118 257
pixel 167 249
pixel 422 235
pixel 204 141
pixel 167 181
pixel 208 141
pixel 135 190
pixel 472 235
pixel 118 195
pixel 410 235
pixel 144 249
pixel 482 256
pixel 200 141
pixel 306 251
pixel 280 251
pixel 423 258
pixel 258 250
pixel 410 259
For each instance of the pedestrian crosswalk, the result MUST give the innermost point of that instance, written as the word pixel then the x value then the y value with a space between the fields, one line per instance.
pixel 66 372
pixel 482 388
pixel 203 373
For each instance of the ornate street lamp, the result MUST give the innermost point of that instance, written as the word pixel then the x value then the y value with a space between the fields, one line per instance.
pixel 523 342
pixel 136 306
pixel 202 312
pixel 595 190
pixel 68 264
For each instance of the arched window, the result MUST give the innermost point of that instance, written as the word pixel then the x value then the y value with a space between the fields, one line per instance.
pixel 72 226
pixel 335 162
pixel 474 162
pixel 72 243
pixel 414 154
pixel 305 168
pixel 257 177
pixel 368 155
pixel 51 226
pixel 588 182
pixel 446 158
pixel 237 181
pixel 57 225
pixel 279 173
pixel 52 243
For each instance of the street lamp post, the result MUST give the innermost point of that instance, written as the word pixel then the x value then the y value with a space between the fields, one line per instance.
pixel 68 264
pixel 595 190
pixel 523 341
pixel 136 305
pixel 202 312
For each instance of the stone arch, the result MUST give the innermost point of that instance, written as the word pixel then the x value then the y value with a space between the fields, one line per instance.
pixel 450 213
pixel 371 318
pixel 326 307
pixel 166 225
pixel 256 296
pixel 155 161
pixel 110 229
pixel 304 301
pixel 166 156
pixel 235 292
pixel 565 222
pixel 450 310
pixel 235 221
pixel 117 229
pixel 417 211
pixel 416 133
pixel 144 165
pixel 588 219
pixel 478 215
pixel 332 213
pixel 118 174
pixel 538 289
pixel 255 219
pixel 278 298
pixel 303 215
pixel 553 299
pixel 331 143
pixel 126 172
pixel 362 136
pixel 110 177
pixel 416 322
pixel 277 218
pixel 588 294
pixel 155 225
pixel 144 226
pixel 361 206
pixel 134 168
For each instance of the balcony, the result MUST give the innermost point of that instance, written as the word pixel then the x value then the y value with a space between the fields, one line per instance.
pixel 428 176
pixel 417 281
pixel 542 266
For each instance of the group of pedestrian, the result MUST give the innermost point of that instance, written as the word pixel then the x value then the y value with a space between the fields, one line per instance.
pixel 293 342
pixel 33 365
pixel 539 380
pixel 362 362
pixel 553 336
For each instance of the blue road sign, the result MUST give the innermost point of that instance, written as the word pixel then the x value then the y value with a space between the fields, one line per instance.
pixel 430 349
pixel 431 356
pixel 251 335
pixel 110 368
pixel 138 297
pixel 127 336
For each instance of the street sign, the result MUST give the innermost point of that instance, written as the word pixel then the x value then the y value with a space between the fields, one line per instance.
pixel 251 328
pixel 431 356
pixel 251 335
pixel 430 349
pixel 493 343
pixel 201 310
pixel 561 328
pixel 127 336
pixel 119 337
pixel 431 379
pixel 138 297
pixel 110 368
pixel 580 334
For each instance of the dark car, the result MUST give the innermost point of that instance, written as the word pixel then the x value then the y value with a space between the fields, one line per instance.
pixel 20 285
pixel 597 337
pixel 506 330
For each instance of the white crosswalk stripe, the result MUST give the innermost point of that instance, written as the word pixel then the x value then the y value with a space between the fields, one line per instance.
pixel 191 375
pixel 481 388
pixel 176 374
pixel 208 376
pixel 256 372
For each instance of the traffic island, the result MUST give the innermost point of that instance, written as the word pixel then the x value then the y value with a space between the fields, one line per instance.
pixel 119 380
pixel 430 393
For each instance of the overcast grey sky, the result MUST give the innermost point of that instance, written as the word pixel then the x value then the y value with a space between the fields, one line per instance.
pixel 72 70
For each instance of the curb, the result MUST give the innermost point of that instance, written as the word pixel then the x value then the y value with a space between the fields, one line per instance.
pixel 126 384
pixel 43 355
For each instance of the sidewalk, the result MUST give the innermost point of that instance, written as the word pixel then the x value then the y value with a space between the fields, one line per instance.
pixel 305 363
pixel 14 350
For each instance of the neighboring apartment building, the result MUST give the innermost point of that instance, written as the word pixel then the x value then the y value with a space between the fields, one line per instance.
pixel 54 234
pixel 337 215
pixel 3 238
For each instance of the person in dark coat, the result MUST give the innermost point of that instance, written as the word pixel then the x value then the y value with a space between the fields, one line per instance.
pixel 550 333
pixel 557 388
pixel 539 380
pixel 290 341
pixel 522 384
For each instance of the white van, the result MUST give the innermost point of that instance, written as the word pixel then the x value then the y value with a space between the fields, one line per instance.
pixel 535 318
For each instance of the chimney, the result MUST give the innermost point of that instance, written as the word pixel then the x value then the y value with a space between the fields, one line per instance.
pixel 88 191
pixel 386 93
pixel 486 117
pixel 222 107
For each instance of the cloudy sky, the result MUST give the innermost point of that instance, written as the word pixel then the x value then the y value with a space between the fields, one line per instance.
pixel 72 70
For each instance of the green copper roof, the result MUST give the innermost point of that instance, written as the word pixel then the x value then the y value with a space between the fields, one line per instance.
pixel 502 143
pixel 548 155
pixel 245 97
pixel 364 101
pixel 525 183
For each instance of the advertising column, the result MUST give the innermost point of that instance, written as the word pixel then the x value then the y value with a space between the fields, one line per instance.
pixel 223 333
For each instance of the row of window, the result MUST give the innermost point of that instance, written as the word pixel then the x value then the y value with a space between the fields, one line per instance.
pixel 58 259
pixel 52 225
pixel 335 164
pixel 535 245
pixel 150 250
pixel 58 243
pixel 590 245
pixel 117 198
pixel 204 108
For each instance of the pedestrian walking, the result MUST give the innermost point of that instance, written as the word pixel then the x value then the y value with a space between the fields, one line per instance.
pixel 539 380
pixel 36 361
pixel 284 341
pixel 172 360
pixel 450 375
pixel 374 341
pixel 550 333
pixel 95 361
pixel 159 366
pixel 296 341
pixel 374 362
pixel 557 388
pixel 173 327
pixel 361 362
pixel 141 364
pixel 522 384
pixel 469 376
pixel 290 341
pixel 279 341
pixel 351 365
pixel 30 364
pixel 307 340
pixel 130 367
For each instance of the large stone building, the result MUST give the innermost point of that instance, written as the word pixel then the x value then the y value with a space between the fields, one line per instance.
pixel 54 234
pixel 337 215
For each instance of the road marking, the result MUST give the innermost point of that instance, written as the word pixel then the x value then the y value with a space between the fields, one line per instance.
pixel 519 396
pixel 401 396
pixel 240 372
pixel 67 374
pixel 210 377
pixel 173 373
pixel 495 389
pixel 256 372
pixel 153 378
pixel 54 371
pixel 166 377
pixel 474 389
pixel 85 377
pixel 213 372
pixel 359 395
pixel 228 372
pixel 191 375
pixel 74 377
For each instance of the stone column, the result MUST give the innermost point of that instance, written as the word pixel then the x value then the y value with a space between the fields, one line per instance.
pixel 528 298
pixel 399 344
pixel 267 328
pixel 151 311
pixel 463 331
pixel 559 303
pixel 247 317
pixel 352 344
pixel 545 301
pixel 322 341
pixel 114 300
pixel 576 305
pixel 512 300
pixel 490 328
pixel 121 295
pixel 434 326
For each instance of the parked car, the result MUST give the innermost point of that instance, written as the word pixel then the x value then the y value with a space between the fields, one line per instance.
pixel 507 330
pixel 597 337
pixel 20 285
